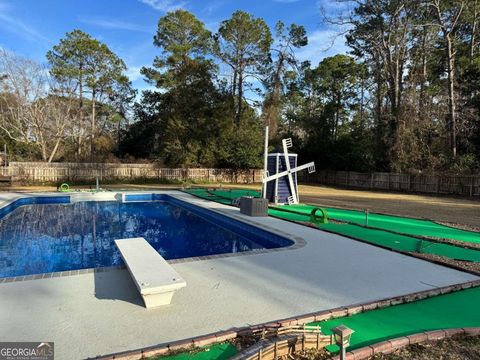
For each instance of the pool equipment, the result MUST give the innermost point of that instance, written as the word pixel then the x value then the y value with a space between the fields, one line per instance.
pixel 280 174
pixel 253 206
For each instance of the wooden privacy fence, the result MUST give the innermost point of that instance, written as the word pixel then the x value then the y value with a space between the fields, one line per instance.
pixel 467 185
pixel 56 172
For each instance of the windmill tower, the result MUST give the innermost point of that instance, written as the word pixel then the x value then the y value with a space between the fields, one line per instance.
pixel 280 174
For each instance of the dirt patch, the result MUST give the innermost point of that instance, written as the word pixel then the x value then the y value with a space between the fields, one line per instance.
pixel 468 245
pixel 450 349
pixel 454 211
pixel 312 354
pixel 466 265
pixel 460 226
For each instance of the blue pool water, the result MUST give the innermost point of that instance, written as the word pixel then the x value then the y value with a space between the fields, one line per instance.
pixel 45 238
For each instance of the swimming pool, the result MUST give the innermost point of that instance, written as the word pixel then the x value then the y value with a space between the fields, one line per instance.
pixel 50 234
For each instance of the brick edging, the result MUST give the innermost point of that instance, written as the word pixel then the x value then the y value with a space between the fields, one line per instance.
pixel 389 346
pixel 222 336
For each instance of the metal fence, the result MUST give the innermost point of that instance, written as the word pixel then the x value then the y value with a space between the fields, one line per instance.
pixel 55 172
pixel 466 185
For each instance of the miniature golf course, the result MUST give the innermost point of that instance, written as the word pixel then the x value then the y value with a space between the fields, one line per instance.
pixel 454 310
pixel 398 224
pixel 393 232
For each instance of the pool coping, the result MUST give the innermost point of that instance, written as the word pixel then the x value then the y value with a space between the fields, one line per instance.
pixel 298 241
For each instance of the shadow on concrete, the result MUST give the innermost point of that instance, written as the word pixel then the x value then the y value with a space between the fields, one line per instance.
pixel 116 285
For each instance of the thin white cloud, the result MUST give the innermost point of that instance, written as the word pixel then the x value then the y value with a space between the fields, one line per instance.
pixel 133 73
pixel 212 7
pixel 165 5
pixel 15 26
pixel 212 26
pixel 322 44
pixel 335 8
pixel 115 24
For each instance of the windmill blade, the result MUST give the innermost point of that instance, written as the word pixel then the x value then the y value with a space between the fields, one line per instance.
pixel 285 144
pixel 309 166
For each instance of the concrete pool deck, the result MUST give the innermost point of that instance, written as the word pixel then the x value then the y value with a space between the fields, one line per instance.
pixel 99 313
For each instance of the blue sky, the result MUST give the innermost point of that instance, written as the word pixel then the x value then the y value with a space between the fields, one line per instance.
pixel 31 27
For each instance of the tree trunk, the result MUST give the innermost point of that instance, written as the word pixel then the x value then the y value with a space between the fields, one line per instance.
pixel 240 98
pixel 448 29
pixel 234 87
pixel 55 149
pixel 44 152
pixel 381 150
pixel 274 111
pixel 452 111
pixel 79 145
pixel 422 101
pixel 474 29
pixel 93 129
pixel 78 153
pixel 362 99
pixel 337 110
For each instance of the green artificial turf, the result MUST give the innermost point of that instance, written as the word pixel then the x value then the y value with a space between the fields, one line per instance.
pixel 214 352
pixel 397 224
pixel 400 241
pixel 455 310
pixel 387 239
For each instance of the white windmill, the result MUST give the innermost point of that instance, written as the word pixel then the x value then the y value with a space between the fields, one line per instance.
pixel 280 174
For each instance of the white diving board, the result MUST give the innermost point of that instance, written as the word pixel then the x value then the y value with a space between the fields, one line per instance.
pixel 156 280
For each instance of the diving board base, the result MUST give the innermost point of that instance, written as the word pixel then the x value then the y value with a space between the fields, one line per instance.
pixel 156 300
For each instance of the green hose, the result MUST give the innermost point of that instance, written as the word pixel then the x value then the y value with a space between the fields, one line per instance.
pixel 323 219
pixel 64 187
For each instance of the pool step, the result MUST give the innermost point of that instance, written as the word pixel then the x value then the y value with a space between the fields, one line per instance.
pixel 92 196
pixel 136 197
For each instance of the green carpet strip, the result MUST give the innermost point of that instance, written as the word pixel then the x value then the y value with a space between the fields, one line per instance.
pixel 397 224
pixel 455 310
pixel 387 239
pixel 396 241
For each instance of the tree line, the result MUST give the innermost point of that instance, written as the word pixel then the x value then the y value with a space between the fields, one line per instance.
pixel 416 98
pixel 405 98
